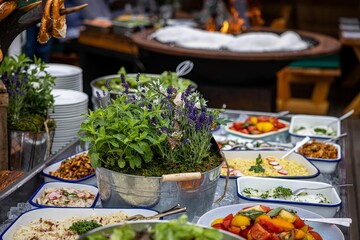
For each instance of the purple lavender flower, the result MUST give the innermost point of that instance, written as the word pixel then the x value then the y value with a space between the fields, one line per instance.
pixel 154 121
pixel 197 124
pixel 124 84
pixel 137 77
pixel 103 92
pixel 187 93
pixel 98 95
pixel 108 85
pixel 163 115
pixel 150 107
pixel 164 129
pixel 202 117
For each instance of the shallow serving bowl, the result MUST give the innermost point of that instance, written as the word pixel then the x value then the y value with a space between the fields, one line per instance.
pixel 59 185
pixel 327 165
pixel 327 231
pixel 90 179
pixel 264 184
pixel 142 225
pixel 310 121
pixel 253 154
pixel 59 214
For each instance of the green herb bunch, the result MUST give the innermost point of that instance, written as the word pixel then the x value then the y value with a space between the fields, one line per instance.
pixel 29 88
pixel 151 131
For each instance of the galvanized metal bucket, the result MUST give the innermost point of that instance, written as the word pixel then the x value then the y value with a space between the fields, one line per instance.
pixel 28 149
pixel 128 191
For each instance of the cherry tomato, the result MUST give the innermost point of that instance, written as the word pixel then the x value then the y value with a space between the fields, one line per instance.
pixel 234 229
pixel 316 235
pixel 274 237
pixel 257 232
pixel 269 226
pixel 244 131
pixel 299 223
pixel 219 226
pixel 227 220
pixel 237 125
pixel 244 232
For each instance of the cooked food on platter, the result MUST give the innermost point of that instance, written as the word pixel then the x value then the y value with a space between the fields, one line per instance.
pixel 74 168
pixel 283 193
pixel 66 223
pixel 262 222
pixel 269 166
pixel 319 130
pixel 258 126
pixel 8 177
pixel 316 149
pixel 66 197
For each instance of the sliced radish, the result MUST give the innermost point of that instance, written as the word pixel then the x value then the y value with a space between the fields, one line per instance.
pixel 283 171
pixel 273 163
pixel 54 195
pixel 278 167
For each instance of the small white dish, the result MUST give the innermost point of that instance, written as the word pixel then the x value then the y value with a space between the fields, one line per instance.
pixel 90 179
pixel 60 214
pixel 327 165
pixel 327 231
pixel 58 185
pixel 310 122
pixel 253 154
pixel 264 184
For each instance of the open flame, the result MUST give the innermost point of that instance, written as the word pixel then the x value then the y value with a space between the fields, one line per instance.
pixel 236 24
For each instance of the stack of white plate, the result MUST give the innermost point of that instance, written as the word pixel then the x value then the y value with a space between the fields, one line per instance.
pixel 67 76
pixel 69 107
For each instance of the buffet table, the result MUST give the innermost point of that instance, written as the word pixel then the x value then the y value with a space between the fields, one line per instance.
pixel 16 195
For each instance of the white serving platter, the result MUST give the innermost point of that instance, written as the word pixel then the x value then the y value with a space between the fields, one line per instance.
pixel 258 136
pixel 327 231
pixel 39 192
pixel 65 213
pixel 264 184
pixel 90 179
pixel 253 154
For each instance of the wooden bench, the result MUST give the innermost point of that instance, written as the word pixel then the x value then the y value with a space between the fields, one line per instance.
pixel 321 77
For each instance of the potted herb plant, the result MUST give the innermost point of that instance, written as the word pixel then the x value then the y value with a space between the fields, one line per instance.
pixel 30 130
pixel 144 135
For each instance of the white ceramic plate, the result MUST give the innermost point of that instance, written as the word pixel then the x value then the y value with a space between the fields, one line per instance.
pixel 65 213
pixel 264 184
pixel 62 70
pixel 327 231
pixel 66 97
pixel 57 185
pixel 251 155
pixel 257 136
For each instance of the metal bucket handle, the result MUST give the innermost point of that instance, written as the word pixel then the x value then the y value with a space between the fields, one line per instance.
pixel 180 177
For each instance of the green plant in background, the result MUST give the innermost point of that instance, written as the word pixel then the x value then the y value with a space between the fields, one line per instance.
pixel 167 78
pixel 29 87
pixel 151 131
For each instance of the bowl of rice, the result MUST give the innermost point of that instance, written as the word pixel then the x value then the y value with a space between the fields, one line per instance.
pixel 268 163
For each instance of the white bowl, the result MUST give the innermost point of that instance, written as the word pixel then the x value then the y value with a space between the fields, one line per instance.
pixel 90 179
pixel 327 165
pixel 327 231
pixel 310 121
pixel 39 192
pixel 60 214
pixel 264 184
pixel 253 154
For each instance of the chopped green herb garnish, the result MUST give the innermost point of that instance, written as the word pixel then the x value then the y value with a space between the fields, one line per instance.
pixel 253 214
pixel 84 226
pixel 320 130
pixel 257 168
pixel 281 192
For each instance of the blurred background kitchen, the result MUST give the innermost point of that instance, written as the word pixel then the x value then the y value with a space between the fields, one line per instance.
pixel 99 43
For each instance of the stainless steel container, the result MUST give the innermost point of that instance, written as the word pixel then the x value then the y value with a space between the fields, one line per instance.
pixel 28 149
pixel 128 191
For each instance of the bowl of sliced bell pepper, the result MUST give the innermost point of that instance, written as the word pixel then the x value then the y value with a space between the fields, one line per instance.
pixel 258 127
